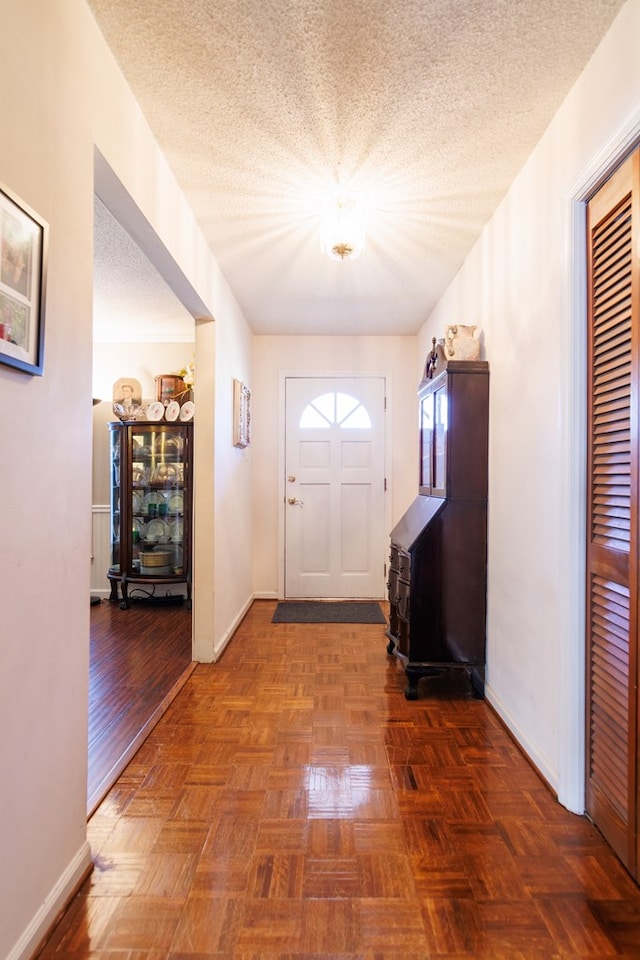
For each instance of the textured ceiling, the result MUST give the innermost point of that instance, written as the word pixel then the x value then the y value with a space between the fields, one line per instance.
pixel 131 302
pixel 426 109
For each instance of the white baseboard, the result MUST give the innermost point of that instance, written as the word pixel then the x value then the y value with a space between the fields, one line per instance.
pixel 54 903
pixel 226 637
pixel 266 595
pixel 539 761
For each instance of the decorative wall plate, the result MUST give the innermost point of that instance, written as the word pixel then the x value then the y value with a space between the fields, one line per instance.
pixel 187 410
pixel 172 411
pixel 155 411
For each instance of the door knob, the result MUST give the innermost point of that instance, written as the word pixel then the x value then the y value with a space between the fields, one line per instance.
pixel 291 479
pixel 293 501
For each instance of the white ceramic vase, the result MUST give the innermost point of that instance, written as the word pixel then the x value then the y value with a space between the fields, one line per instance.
pixel 462 342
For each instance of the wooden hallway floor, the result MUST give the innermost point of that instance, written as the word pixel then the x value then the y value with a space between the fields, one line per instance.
pixel 139 659
pixel 292 804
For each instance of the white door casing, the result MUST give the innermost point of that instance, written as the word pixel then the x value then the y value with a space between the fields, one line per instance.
pixel 334 487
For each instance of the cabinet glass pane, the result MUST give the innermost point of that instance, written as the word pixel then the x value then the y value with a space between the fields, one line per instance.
pixel 426 440
pixel 440 438
pixel 115 503
pixel 158 501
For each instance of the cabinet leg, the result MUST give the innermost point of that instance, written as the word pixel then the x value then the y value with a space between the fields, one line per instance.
pixel 391 646
pixel 477 684
pixel 114 590
pixel 411 690
pixel 124 605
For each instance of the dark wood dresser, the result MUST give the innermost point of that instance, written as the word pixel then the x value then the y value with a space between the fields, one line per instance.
pixel 438 562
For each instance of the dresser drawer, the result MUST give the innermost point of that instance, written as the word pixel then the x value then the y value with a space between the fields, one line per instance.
pixel 404 565
pixel 392 586
pixel 400 562
pixel 404 599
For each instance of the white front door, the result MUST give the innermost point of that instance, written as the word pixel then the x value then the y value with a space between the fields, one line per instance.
pixel 335 538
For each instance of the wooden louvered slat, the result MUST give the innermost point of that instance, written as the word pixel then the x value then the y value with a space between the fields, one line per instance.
pixel 615 337
pixel 610 490
pixel 613 504
pixel 610 411
pixel 612 457
pixel 609 320
pixel 612 241
pixel 612 289
pixel 609 687
pixel 609 282
pixel 609 474
pixel 613 364
pixel 613 629
pixel 616 606
pixel 617 440
pixel 611 670
pixel 611 373
pixel 613 759
pixel 611 250
pixel 608 721
pixel 615 463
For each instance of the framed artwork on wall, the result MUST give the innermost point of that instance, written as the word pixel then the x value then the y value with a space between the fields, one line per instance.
pixel 241 414
pixel 23 267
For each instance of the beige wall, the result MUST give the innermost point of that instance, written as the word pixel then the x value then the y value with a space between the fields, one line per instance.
pixel 522 285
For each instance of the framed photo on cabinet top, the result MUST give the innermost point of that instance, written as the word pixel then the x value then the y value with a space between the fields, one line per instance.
pixel 23 267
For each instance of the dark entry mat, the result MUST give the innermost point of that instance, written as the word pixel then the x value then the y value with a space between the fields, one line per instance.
pixel 328 611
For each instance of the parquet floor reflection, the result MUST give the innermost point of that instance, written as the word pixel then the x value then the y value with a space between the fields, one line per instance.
pixel 292 804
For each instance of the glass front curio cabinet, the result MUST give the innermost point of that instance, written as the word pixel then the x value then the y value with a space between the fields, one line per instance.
pixel 151 508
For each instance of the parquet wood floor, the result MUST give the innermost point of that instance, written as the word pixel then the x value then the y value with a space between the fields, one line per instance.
pixel 292 804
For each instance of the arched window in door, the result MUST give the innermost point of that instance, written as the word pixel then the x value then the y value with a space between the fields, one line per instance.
pixel 338 409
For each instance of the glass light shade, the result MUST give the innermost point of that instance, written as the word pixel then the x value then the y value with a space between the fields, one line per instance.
pixel 343 231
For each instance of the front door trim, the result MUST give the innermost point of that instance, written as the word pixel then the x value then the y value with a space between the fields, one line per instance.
pixel 326 374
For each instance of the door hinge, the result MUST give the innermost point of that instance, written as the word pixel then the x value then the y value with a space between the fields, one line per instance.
pixel 385 404
pixel 385 484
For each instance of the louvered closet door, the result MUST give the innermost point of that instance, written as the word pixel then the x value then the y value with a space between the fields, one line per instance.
pixel 612 566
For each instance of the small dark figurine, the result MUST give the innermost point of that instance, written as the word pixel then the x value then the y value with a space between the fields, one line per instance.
pixel 432 360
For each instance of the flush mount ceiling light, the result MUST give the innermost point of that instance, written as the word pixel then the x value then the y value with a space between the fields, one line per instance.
pixel 343 228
